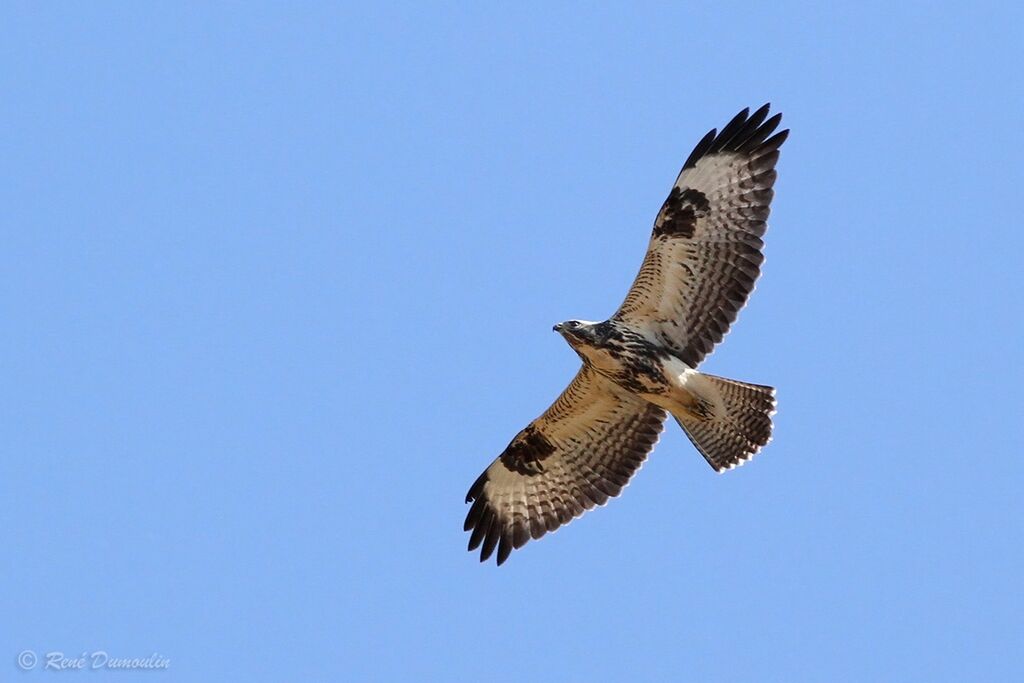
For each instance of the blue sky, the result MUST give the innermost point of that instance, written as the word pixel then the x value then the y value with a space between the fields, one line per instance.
pixel 278 283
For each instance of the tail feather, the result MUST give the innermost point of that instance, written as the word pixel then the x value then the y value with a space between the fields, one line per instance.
pixel 733 422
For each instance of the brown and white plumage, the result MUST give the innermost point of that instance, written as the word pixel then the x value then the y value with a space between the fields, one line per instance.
pixel 583 450
pixel 703 258
pixel 705 251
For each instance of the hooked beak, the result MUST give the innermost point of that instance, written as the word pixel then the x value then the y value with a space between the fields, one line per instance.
pixel 557 328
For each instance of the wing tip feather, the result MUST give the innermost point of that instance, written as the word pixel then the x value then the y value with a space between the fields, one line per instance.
pixel 745 133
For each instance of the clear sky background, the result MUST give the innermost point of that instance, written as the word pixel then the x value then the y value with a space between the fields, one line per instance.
pixel 278 283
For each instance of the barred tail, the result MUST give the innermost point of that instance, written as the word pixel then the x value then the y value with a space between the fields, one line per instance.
pixel 732 420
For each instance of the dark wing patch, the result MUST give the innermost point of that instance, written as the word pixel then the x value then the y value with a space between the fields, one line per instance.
pixel 526 453
pixel 679 214
pixel 582 451
pixel 705 251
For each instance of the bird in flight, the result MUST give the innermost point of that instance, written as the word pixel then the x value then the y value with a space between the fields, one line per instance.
pixel 704 255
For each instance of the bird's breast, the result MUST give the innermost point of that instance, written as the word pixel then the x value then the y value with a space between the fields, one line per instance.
pixel 635 371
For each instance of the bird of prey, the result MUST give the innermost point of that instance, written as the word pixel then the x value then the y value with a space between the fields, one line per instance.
pixel 702 260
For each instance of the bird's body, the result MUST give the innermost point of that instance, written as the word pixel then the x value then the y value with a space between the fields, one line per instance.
pixel 633 362
pixel 623 355
pixel 641 364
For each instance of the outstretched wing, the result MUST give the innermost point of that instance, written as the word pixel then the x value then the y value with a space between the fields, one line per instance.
pixel 583 450
pixel 705 251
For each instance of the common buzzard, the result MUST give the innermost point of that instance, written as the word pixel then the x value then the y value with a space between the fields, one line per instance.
pixel 702 260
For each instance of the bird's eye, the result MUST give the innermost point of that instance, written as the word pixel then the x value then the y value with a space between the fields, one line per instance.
pixel 574 323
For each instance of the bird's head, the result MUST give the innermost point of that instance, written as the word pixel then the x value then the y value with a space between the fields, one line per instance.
pixel 578 332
